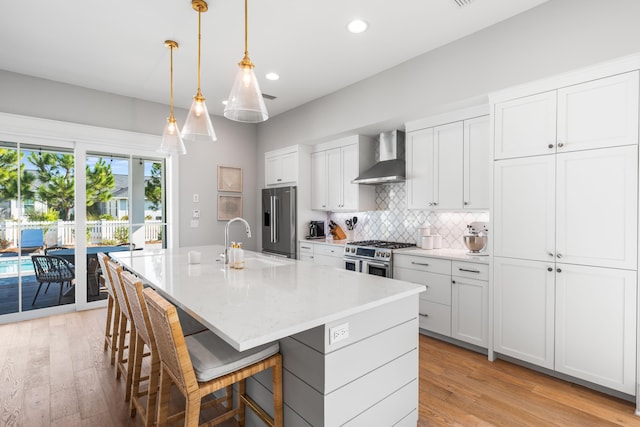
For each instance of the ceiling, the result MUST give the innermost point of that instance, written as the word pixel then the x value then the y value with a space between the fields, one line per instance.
pixel 117 46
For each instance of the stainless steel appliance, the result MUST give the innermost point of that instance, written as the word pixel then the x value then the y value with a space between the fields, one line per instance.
pixel 391 167
pixel 475 238
pixel 279 221
pixel 316 230
pixel 372 256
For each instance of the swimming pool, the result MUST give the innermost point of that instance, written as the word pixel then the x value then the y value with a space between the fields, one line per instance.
pixel 9 266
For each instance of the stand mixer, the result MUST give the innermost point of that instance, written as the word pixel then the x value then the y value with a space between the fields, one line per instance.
pixel 475 238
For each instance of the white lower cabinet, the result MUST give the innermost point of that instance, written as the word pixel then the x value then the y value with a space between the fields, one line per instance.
pixel 305 252
pixel 455 302
pixel 323 254
pixel 470 303
pixel 524 310
pixel 577 320
pixel 596 325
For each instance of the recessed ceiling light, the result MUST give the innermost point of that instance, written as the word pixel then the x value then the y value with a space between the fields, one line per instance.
pixel 357 26
pixel 272 76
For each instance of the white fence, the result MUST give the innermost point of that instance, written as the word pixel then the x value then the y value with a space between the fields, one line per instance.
pixel 63 233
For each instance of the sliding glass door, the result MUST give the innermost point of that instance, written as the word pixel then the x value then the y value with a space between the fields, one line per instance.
pixel 37 215
pixel 125 209
pixel 48 247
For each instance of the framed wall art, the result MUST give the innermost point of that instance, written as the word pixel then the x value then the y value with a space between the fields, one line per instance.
pixel 230 179
pixel 229 207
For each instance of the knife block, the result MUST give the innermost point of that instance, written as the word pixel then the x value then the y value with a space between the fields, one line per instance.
pixel 338 233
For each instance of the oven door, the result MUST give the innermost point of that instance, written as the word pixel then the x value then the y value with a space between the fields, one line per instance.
pixel 381 269
pixel 353 264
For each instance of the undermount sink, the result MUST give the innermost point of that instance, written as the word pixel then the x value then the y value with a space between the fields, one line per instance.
pixel 263 262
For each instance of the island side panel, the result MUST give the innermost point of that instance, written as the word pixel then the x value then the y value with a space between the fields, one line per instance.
pixel 371 375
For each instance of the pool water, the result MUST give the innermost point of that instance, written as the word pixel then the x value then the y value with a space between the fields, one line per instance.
pixel 9 267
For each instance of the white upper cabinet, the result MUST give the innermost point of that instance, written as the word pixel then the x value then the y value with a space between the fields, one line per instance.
pixel 449 166
pixel 333 166
pixel 596 114
pixel 477 164
pixel 281 167
pixel 319 189
pixel 419 169
pixel 596 207
pixel 525 126
pixel 600 113
pixel 524 208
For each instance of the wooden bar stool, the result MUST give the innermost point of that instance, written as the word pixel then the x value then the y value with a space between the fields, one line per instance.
pixel 144 336
pixel 113 310
pixel 123 365
pixel 203 363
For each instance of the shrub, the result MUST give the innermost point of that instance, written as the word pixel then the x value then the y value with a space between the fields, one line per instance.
pixel 121 234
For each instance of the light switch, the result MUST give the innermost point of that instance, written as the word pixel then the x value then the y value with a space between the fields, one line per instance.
pixel 196 213
pixel 196 197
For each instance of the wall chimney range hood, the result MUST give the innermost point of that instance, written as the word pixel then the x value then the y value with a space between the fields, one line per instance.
pixel 391 167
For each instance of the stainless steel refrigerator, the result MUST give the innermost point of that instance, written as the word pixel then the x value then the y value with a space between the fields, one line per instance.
pixel 279 221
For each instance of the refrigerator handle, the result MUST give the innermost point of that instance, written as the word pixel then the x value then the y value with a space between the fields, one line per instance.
pixel 275 219
pixel 271 201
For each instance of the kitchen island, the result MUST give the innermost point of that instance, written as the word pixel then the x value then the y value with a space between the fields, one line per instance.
pixel 349 341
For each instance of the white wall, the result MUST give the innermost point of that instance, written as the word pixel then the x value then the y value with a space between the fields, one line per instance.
pixel 236 143
pixel 236 146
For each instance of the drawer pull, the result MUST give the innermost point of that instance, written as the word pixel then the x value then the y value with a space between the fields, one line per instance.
pixel 420 263
pixel 469 271
pixel 423 315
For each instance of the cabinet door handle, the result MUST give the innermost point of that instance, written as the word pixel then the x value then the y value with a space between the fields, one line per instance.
pixel 453 281
pixel 560 144
pixel 279 179
pixel 466 203
pixel 559 255
pixel 469 271
pixel 549 269
pixel 550 253
pixel 435 203
pixel 559 270
pixel 420 263
pixel 423 315
pixel 550 145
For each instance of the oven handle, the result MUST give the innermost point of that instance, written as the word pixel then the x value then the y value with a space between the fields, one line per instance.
pixel 375 264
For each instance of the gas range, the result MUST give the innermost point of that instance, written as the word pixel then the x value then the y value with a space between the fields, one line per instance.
pixel 373 249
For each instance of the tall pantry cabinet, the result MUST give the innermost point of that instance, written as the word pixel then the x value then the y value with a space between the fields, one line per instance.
pixel 565 224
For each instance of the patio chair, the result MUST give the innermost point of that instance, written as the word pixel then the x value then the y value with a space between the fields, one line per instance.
pixel 31 239
pixel 52 269
pixel 52 249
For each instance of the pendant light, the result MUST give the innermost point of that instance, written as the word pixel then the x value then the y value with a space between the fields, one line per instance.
pixel 245 102
pixel 198 126
pixel 171 139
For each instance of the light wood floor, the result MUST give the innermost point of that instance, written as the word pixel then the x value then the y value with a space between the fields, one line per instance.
pixel 53 372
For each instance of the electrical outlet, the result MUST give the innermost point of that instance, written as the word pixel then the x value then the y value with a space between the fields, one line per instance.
pixel 195 223
pixel 338 333
pixel 196 213
pixel 196 198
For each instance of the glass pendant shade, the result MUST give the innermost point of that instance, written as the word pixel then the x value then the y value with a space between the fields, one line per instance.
pixel 198 126
pixel 245 102
pixel 171 139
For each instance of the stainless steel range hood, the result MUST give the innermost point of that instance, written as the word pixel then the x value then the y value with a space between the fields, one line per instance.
pixel 391 167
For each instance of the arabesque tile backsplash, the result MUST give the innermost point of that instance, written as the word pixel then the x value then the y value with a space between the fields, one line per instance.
pixel 392 220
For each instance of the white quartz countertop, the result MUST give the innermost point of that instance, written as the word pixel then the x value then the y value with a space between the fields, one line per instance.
pixel 271 298
pixel 452 254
